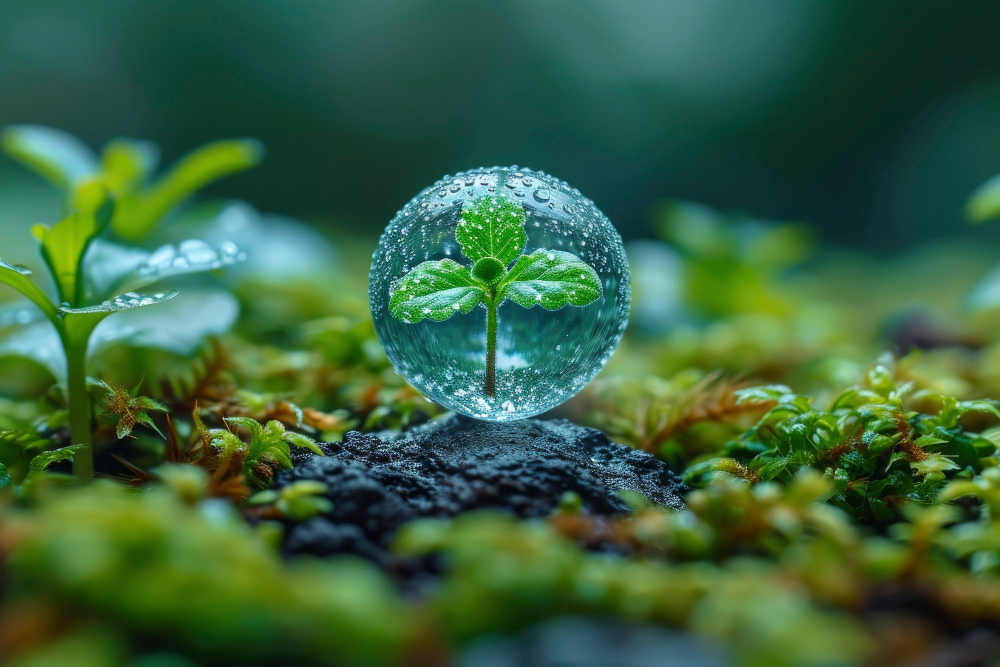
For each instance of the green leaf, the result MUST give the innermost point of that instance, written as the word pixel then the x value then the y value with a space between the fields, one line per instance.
pixel 17 277
pixel 27 443
pixel 263 497
pixel 138 215
pixel 435 290
pixel 303 441
pixel 127 163
pixel 933 463
pixel 984 203
pixel 58 156
pixel 252 425
pixel 880 510
pixel 65 244
pixel 773 393
pixel 45 459
pixel 493 227
pixel 80 322
pixel 5 478
pixel 928 440
pixel 191 256
pixel 180 326
pixel 551 279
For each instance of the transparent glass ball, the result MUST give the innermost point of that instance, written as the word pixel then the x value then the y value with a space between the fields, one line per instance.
pixel 541 356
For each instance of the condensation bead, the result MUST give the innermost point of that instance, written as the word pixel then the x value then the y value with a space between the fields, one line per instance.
pixel 543 357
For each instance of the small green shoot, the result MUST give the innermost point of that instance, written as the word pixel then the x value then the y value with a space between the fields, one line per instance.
pixel 298 501
pixel 63 248
pixel 266 450
pixel 491 233
pixel 129 409
pixel 102 195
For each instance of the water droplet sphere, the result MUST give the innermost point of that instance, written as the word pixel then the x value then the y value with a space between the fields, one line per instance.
pixel 499 293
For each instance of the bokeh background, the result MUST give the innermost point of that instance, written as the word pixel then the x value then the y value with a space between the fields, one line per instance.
pixel 871 121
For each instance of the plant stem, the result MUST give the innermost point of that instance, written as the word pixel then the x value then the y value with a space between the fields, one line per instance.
pixel 78 401
pixel 491 348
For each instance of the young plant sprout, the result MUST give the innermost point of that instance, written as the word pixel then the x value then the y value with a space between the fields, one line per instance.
pixel 491 233
pixel 64 247
pixel 115 191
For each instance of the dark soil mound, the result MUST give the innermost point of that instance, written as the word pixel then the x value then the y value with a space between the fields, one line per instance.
pixel 453 465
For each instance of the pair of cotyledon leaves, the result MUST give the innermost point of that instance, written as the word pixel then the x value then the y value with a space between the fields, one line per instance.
pixel 492 235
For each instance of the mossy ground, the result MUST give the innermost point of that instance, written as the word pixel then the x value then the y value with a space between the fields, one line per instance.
pixel 843 447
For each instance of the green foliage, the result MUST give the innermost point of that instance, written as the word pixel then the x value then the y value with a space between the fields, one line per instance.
pixel 63 246
pixel 435 290
pixel 266 450
pixel 298 501
pixel 41 462
pixel 112 192
pixel 30 457
pixel 492 236
pixel 129 409
pixel 815 507
pixel 731 260
pixel 505 574
pixel 196 579
pixel 878 454
pixel 126 168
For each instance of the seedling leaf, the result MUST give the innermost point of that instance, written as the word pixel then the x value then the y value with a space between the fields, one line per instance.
pixel 551 279
pixel 494 227
pixel 65 244
pixel 435 290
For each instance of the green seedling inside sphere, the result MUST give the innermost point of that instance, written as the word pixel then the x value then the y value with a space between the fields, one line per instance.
pixel 491 233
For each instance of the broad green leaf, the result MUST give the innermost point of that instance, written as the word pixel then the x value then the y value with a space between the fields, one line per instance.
pixel 5 479
pixel 36 339
pixel 65 244
pixel 191 256
pixel 80 322
pixel 179 326
pixel 435 290
pixel 138 214
pixel 493 227
pixel 58 156
pixel 551 279
pixel 17 277
pixel 42 461
pixel 984 202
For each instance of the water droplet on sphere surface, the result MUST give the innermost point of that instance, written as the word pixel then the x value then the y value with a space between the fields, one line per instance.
pixel 550 338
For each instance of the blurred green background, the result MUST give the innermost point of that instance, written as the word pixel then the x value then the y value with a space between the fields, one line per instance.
pixel 871 121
